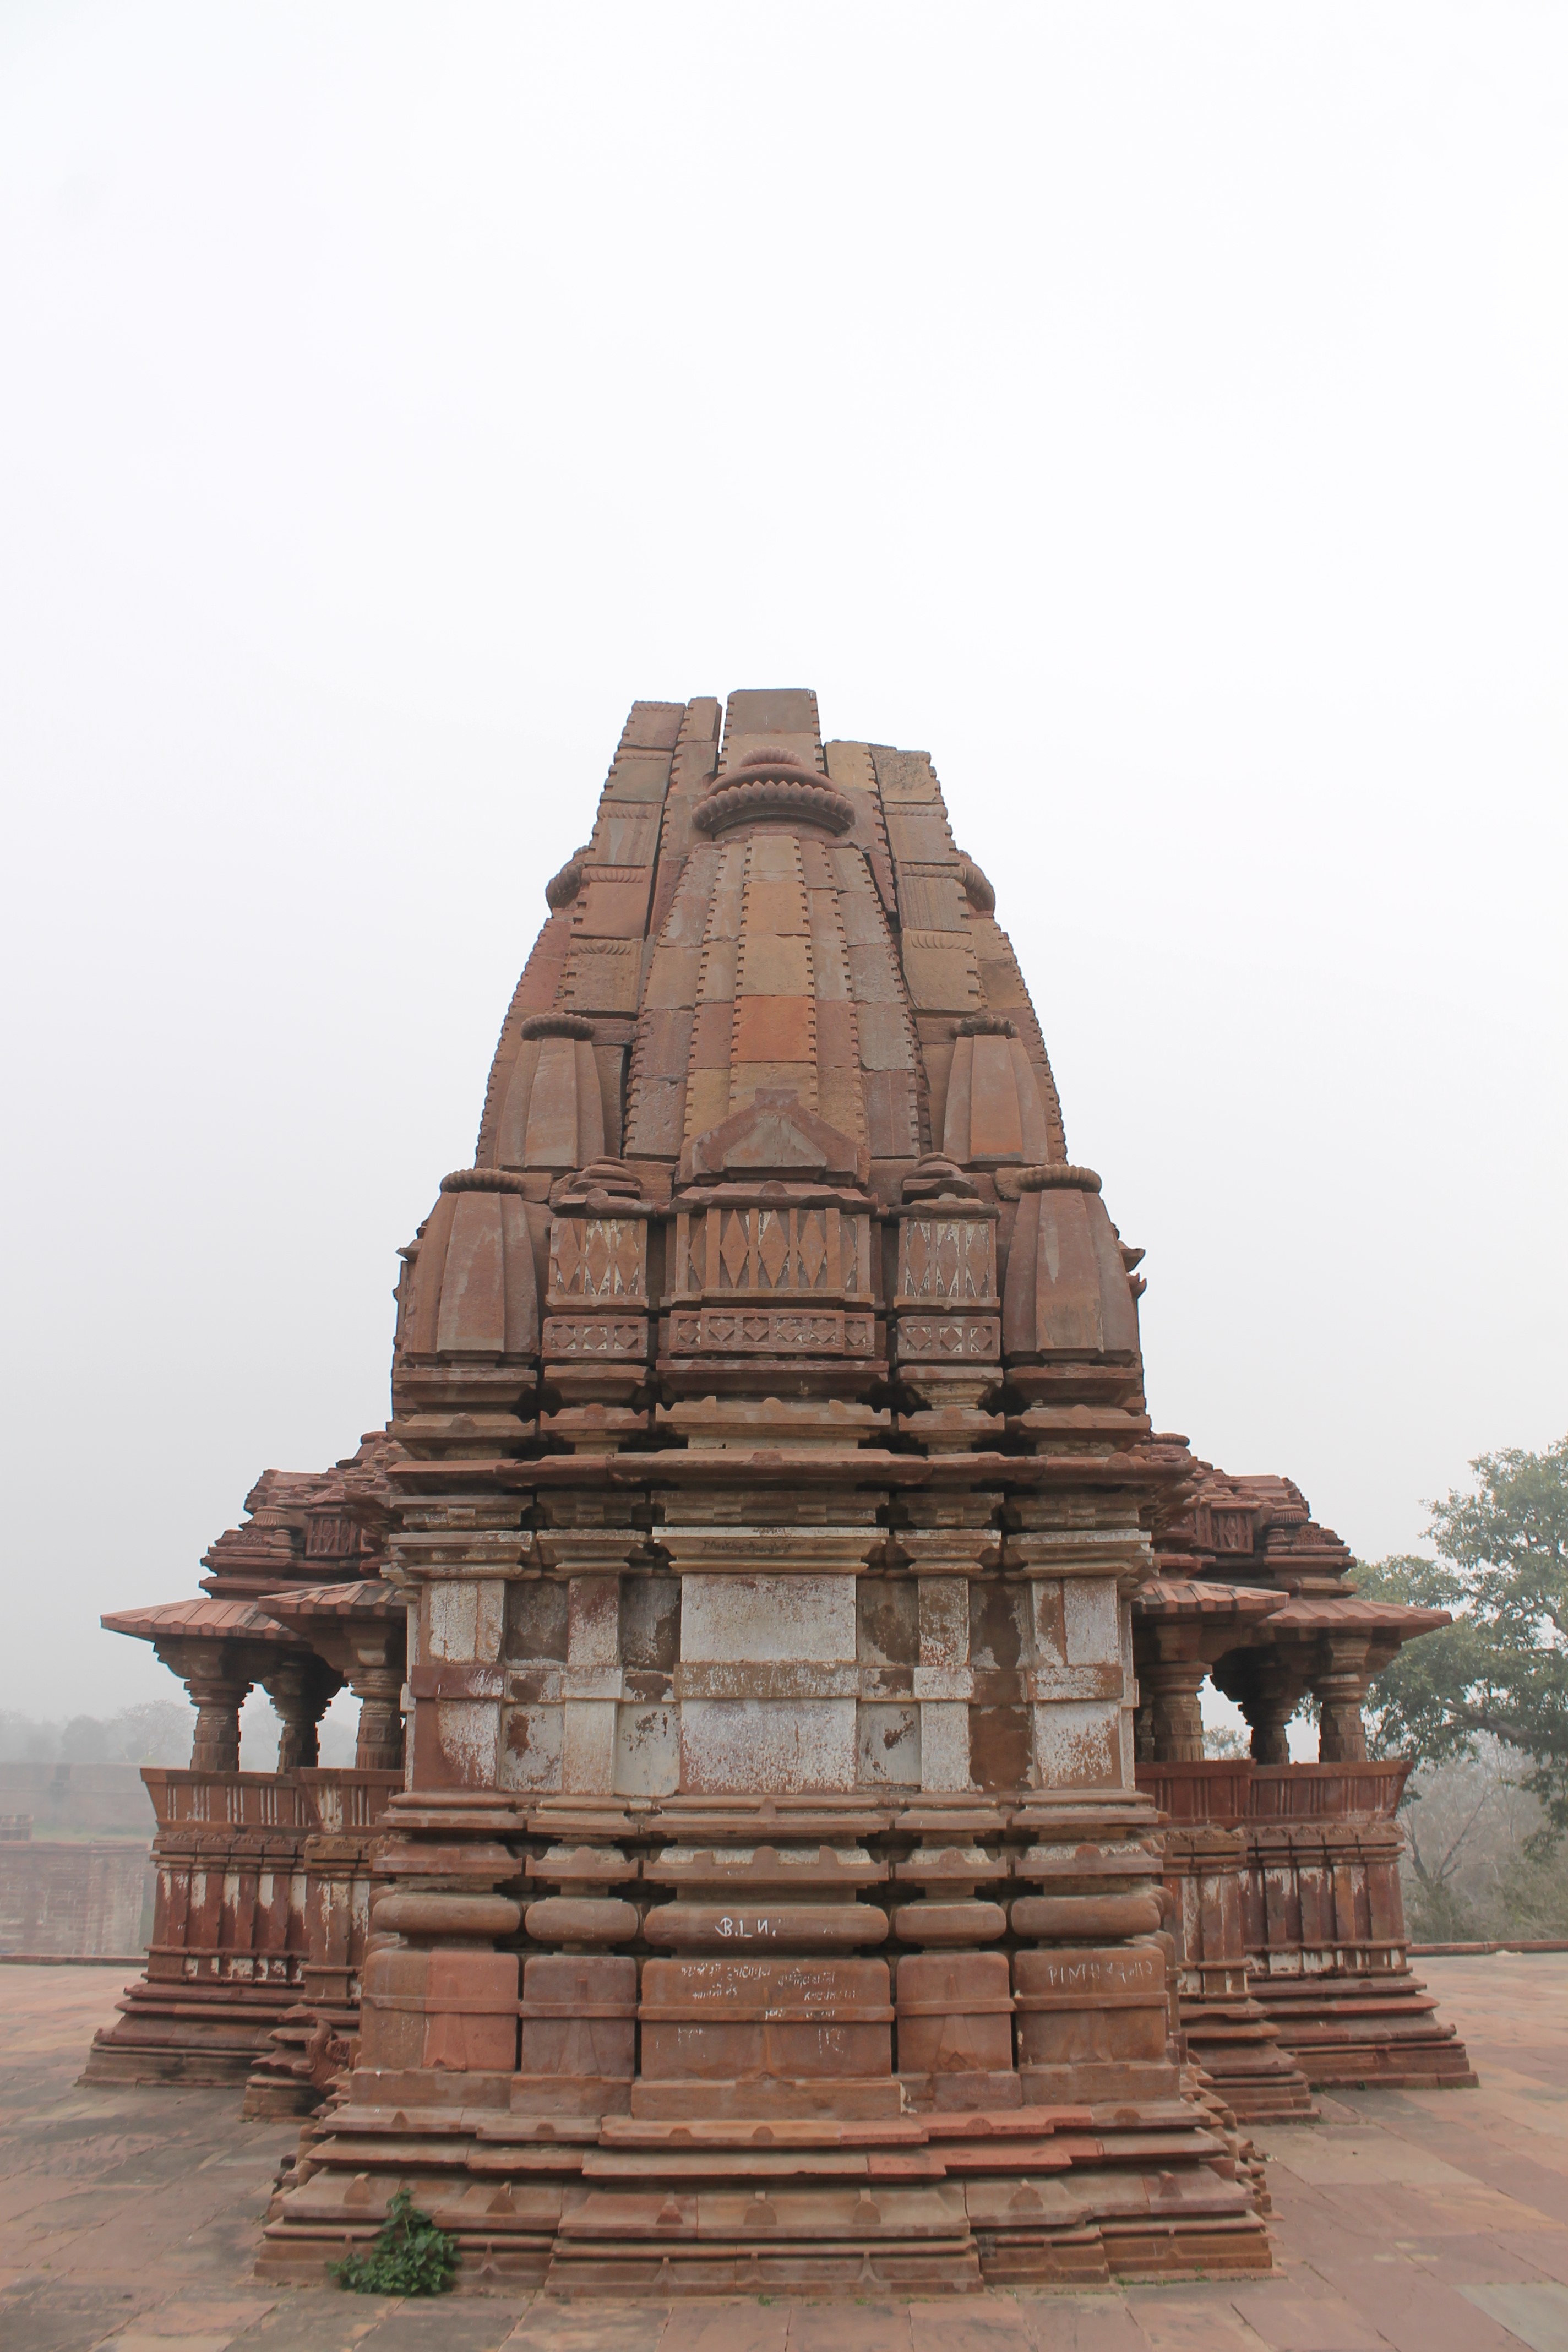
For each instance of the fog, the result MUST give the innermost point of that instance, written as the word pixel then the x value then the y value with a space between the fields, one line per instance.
pixel 1156 413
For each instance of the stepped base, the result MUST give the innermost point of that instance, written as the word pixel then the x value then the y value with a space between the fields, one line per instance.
pixel 767 2202
pixel 1240 2052
pixel 1362 2032
pixel 187 2034
pixel 301 2056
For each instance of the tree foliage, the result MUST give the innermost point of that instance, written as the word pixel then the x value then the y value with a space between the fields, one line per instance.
pixel 1501 1669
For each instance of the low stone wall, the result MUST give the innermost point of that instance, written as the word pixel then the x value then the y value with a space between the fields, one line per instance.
pixel 78 1798
pixel 77 1900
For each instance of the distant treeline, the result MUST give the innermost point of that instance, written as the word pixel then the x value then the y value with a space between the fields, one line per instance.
pixel 158 1733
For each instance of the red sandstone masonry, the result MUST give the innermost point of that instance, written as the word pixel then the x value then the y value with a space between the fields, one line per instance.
pixel 769 1901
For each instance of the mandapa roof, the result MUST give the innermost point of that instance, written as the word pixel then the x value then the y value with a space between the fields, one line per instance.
pixel 371 1600
pixel 201 1618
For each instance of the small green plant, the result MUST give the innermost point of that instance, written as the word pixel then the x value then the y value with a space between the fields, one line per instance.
pixel 409 2256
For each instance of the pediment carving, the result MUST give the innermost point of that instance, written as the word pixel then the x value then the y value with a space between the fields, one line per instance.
pixel 774 1135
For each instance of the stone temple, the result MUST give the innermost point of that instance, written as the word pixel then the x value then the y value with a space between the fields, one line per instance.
pixel 781 1852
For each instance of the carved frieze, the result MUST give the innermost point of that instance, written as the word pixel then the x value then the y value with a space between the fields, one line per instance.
pixel 970 1339
pixel 725 1331
pixel 587 1334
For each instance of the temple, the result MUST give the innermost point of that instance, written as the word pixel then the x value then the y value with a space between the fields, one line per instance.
pixel 779 1852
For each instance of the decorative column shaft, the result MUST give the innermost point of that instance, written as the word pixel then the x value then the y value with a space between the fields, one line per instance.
pixel 378 1745
pixel 1172 1686
pixel 217 1691
pixel 1340 1688
pixel 1268 1699
pixel 301 1689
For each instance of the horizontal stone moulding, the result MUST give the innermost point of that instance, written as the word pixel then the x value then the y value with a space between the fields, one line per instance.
pixel 558 2009
pixel 464 1917
pixel 654 2012
pixel 959 2005
pixel 765 1679
pixel 576 1920
pixel 949 1923
pixel 829 1927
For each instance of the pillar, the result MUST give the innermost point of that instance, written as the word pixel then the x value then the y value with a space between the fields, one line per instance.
pixel 378 1743
pixel 1171 1688
pixel 1267 1688
pixel 1340 1686
pixel 301 1689
pixel 217 1692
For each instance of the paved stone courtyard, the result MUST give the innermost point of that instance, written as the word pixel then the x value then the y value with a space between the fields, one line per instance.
pixel 1432 2221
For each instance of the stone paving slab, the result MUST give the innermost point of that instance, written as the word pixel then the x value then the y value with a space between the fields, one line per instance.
pixel 1406 2222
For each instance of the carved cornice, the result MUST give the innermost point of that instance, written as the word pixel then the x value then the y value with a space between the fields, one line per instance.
pixel 484 1180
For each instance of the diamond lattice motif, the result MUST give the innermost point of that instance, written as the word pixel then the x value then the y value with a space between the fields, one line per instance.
pixel 626 1245
pixel 733 1246
pixel 566 1241
pixel 597 1260
pixel 977 1282
pixel 812 1250
pixel 773 1246
pixel 917 1260
pixel 947 1261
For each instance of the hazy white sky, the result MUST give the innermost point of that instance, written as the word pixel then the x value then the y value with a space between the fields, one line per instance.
pixel 1157 413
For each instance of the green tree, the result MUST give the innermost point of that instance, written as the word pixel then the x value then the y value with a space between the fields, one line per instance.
pixel 1502 1667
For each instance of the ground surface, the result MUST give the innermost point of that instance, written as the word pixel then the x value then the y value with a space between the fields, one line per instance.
pixel 1431 2222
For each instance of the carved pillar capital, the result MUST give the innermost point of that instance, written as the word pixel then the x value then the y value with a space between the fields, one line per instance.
pixel 301 1688
pixel 1273 1699
pixel 218 1688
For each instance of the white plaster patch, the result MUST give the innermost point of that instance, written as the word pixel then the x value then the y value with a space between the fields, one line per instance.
pixel 1078 1743
pixel 648 1751
pixel 489 1630
pixel 454 1620
pixel 784 1745
pixel 594 1621
pixel 890 1743
pixel 755 1619
pixel 944 1744
pixel 945 1620
pixel 466 1619
pixel 1092 1610
pixel 1050 1642
pixel 532 1739
pixel 466 1730
pixel 588 1747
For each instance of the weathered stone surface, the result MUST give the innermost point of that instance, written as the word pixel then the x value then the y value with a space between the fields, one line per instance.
pixel 769 1896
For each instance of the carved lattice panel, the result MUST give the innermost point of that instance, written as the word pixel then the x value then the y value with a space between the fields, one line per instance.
pixel 792 1250
pixel 947 1258
pixel 598 1257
